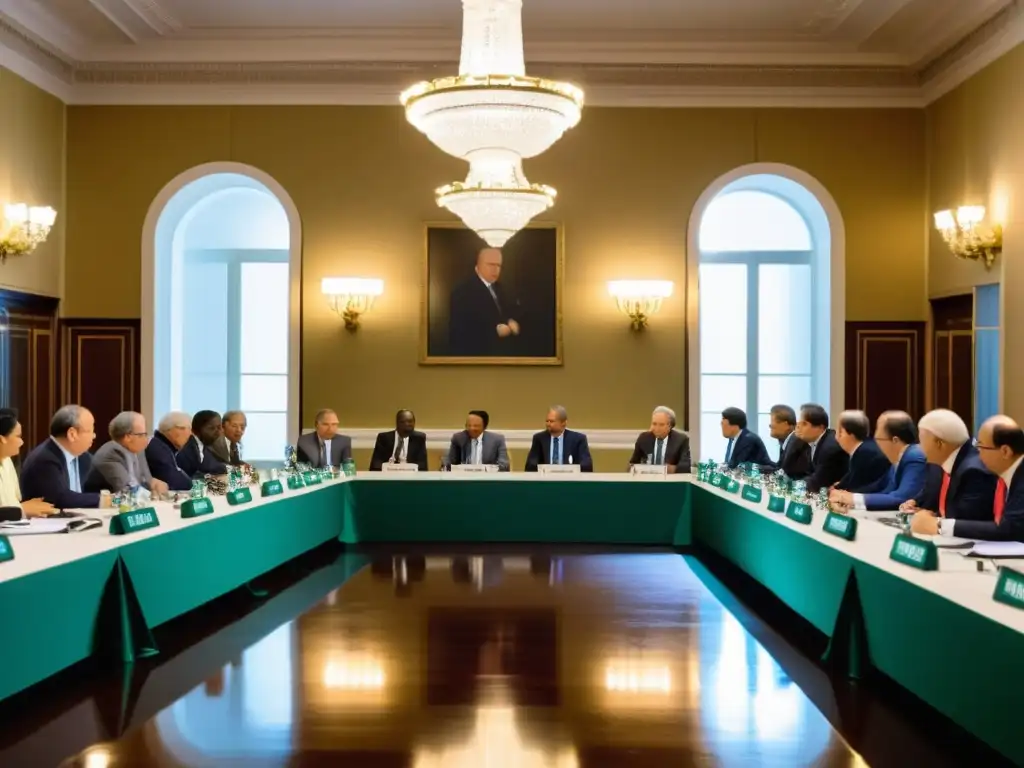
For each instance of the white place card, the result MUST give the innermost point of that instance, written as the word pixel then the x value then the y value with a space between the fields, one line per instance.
pixel 650 470
pixel 558 469
pixel 474 467
pixel 390 467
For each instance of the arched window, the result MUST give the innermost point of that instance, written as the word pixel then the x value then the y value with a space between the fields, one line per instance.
pixel 763 301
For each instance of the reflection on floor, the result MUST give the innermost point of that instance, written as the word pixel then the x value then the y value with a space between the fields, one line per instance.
pixel 468 662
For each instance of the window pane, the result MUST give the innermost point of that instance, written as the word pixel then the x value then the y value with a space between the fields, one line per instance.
pixel 723 318
pixel 793 391
pixel 204 338
pixel 264 393
pixel 266 437
pixel 264 317
pixel 784 318
pixel 712 444
pixel 748 220
pixel 720 392
pixel 763 429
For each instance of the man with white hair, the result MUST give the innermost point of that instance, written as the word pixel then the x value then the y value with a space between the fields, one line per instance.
pixel 663 444
pixel 174 431
pixel 120 464
pixel 958 485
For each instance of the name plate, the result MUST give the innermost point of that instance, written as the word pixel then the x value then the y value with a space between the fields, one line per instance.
pixel 400 467
pixel 311 478
pixel 1010 587
pixel 470 468
pixel 732 485
pixel 799 513
pixel 136 520
pixel 751 493
pixel 6 550
pixel 650 470
pixel 717 480
pixel 917 553
pixel 558 469
pixel 843 526
pixel 197 507
pixel 295 482
pixel 271 488
pixel 776 504
pixel 239 496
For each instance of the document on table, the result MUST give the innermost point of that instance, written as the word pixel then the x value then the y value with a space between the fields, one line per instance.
pixel 32 527
pixel 997 549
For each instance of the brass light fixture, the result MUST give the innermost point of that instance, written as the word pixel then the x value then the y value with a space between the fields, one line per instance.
pixel 965 236
pixel 351 297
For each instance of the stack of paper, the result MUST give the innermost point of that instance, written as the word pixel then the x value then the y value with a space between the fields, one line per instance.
pixel 33 526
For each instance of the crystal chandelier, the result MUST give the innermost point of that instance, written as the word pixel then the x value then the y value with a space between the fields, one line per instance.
pixel 494 116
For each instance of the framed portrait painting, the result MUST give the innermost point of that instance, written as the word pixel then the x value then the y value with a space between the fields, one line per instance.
pixel 492 306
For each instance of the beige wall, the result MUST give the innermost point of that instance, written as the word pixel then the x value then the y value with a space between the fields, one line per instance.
pixel 362 178
pixel 32 171
pixel 976 156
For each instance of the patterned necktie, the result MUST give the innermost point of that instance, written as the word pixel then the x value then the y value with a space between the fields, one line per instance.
pixel 999 500
pixel 556 457
pixel 399 449
pixel 323 454
pixel 657 452
pixel 942 494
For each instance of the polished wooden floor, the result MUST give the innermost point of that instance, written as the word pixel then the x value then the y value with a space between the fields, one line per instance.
pixel 492 661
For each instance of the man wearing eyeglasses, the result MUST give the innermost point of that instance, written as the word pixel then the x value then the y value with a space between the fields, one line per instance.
pixel 120 464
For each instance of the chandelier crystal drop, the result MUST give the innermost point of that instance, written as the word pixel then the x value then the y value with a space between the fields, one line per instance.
pixel 493 116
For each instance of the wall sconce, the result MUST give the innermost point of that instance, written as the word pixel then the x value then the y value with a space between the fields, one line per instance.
pixel 965 238
pixel 24 228
pixel 350 297
pixel 639 299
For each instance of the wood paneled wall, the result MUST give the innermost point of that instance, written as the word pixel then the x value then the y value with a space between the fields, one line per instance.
pixel 31 380
pixel 885 365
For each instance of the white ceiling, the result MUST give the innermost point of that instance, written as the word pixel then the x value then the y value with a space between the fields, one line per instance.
pixel 740 44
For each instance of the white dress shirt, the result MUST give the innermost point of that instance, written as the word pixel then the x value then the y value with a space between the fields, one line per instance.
pixel 858 498
pixel 74 480
pixel 404 442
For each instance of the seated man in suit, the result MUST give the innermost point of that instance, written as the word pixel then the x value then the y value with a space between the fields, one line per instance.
pixel 663 443
pixel 558 445
pixel 1000 445
pixel 195 457
pixel 896 437
pixel 869 467
pixel 794 453
pixel 829 462
pixel 55 469
pixel 227 448
pixel 120 463
pixel 403 445
pixel 324 447
pixel 475 445
pixel 745 447
pixel 174 431
pixel 957 485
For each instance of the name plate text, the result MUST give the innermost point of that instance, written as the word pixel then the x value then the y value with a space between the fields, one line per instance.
pixel 917 553
pixel 776 504
pixel 843 526
pixel 558 469
pixel 136 520
pixel 751 493
pixel 6 550
pixel 271 488
pixel 717 480
pixel 311 478
pixel 239 496
pixel 403 467
pixel 799 513
pixel 480 468
pixel 197 507
pixel 650 470
pixel 732 485
pixel 1010 587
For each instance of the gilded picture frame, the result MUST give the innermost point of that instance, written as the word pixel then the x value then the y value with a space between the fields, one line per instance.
pixel 467 295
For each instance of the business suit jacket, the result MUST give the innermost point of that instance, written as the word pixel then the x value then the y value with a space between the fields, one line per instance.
pixel 868 468
pixel 904 482
pixel 492 450
pixel 794 459
pixel 307 449
pixel 972 489
pixel 44 475
pixel 748 448
pixel 473 319
pixel 110 469
pixel 384 449
pixel 574 444
pixel 829 463
pixel 1010 528
pixel 163 464
pixel 225 451
pixel 191 464
pixel 677 450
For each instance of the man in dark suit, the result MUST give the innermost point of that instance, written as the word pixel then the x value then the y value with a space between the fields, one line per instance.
pixel 1000 445
pixel 480 322
pixel 868 467
pixel 558 445
pixel 475 445
pixel 829 462
pixel 56 468
pixel 745 447
pixel 896 437
pixel 174 431
pixel 958 486
pixel 663 443
pixel 324 447
pixel 120 463
pixel 227 448
pixel 794 453
pixel 195 457
pixel 403 445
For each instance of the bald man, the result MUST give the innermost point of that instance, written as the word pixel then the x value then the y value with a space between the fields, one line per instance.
pixel 480 322
pixel 1000 446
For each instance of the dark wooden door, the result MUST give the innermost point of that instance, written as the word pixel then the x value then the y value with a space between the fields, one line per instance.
pixel 953 355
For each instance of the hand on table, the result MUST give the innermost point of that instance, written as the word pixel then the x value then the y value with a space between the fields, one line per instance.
pixel 671 469
pixel 842 498
pixel 37 508
pixel 925 522
pixel 158 488
pixel 908 506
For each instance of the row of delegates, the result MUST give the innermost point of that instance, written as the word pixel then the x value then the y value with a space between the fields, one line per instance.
pixel 188 446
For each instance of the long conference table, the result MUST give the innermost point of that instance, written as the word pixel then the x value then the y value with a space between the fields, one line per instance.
pixel 939 634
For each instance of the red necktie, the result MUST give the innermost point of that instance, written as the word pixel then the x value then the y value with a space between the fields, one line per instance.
pixel 999 501
pixel 942 494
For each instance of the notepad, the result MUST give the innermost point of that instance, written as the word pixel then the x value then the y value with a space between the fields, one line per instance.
pixel 35 526
pixel 997 549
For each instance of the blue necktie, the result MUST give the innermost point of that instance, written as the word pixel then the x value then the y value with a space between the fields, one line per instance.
pixel 76 485
pixel 556 454
pixel 728 451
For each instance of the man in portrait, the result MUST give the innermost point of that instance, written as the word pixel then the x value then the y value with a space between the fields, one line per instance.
pixel 481 322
